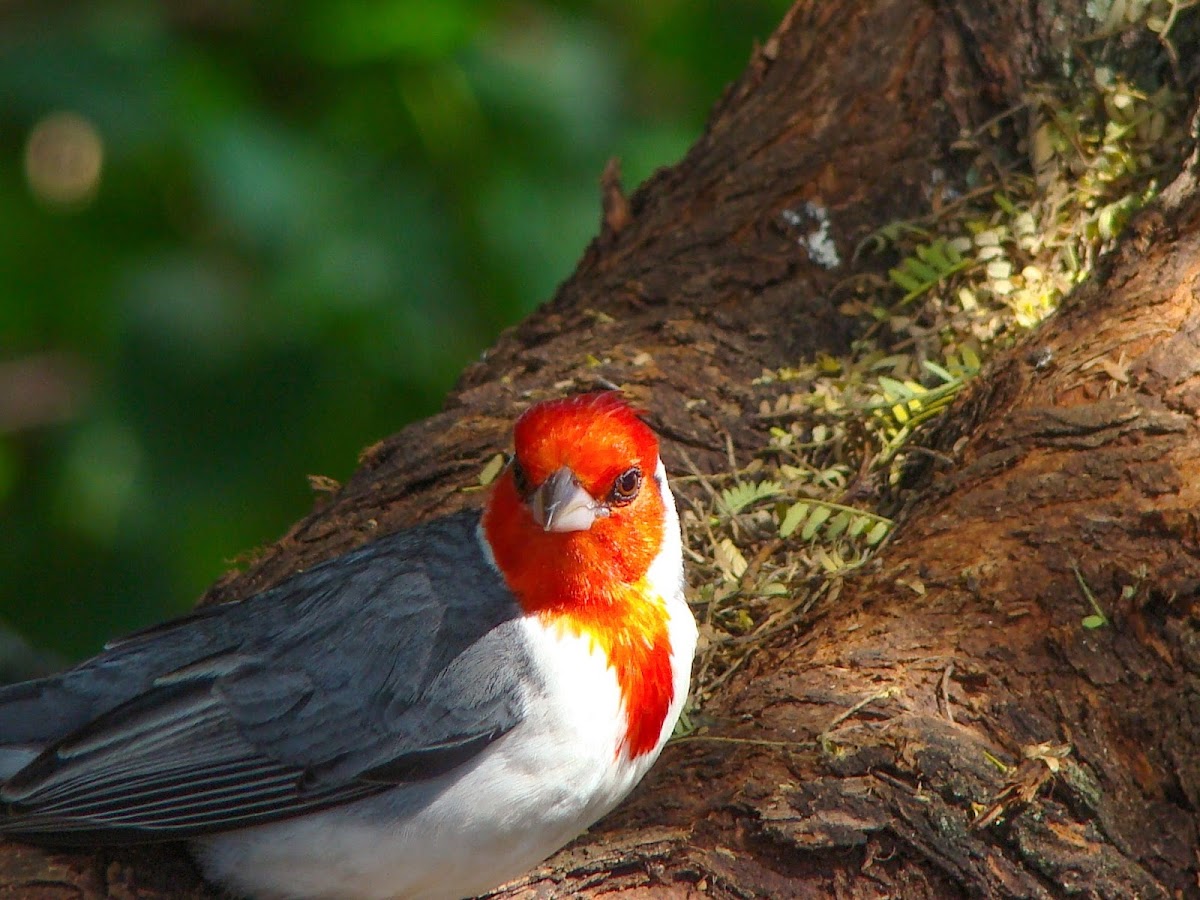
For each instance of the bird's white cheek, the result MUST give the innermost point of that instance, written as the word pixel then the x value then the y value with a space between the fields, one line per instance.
pixel 666 571
pixel 666 579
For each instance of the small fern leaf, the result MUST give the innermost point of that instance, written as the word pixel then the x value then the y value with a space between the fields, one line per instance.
pixel 730 561
pixel 937 370
pixel 929 265
pixel 742 495
pixel 796 513
pixel 877 533
pixel 837 525
pixel 894 390
pixel 815 520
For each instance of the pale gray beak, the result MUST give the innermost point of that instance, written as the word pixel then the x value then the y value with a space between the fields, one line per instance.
pixel 561 504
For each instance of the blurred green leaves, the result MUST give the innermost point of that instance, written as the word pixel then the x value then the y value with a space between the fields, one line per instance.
pixel 357 31
pixel 308 218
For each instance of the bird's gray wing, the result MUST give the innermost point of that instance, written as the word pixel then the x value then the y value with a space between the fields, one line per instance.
pixel 394 663
pixel 34 714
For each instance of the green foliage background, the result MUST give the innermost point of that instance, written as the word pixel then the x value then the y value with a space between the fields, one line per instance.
pixel 311 216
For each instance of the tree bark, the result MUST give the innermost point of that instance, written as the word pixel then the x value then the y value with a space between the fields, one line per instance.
pixel 946 728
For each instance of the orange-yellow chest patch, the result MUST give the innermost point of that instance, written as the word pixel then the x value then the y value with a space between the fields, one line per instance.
pixel 630 630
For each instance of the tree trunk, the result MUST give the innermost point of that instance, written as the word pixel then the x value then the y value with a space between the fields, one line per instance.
pixel 947 727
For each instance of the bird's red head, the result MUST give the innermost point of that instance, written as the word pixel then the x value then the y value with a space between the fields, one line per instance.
pixel 579 507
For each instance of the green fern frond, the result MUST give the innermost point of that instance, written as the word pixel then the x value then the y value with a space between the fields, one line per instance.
pixel 929 265
pixel 831 521
pixel 744 494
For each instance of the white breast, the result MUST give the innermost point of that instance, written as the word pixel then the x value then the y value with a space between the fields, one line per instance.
pixel 528 794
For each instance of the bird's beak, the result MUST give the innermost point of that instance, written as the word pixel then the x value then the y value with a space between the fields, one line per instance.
pixel 561 504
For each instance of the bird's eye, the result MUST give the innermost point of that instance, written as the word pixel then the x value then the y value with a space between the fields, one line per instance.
pixel 520 479
pixel 626 486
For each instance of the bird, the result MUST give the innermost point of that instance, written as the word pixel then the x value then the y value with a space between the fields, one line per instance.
pixel 428 715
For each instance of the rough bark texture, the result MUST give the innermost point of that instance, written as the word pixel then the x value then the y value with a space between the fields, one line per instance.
pixel 947 728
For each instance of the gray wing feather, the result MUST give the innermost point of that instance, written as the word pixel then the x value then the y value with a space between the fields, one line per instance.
pixel 372 669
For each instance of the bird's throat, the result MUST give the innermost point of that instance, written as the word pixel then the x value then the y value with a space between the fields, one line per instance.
pixel 629 627
pixel 594 584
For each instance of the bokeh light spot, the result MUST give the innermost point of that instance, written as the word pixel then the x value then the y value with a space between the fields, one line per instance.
pixel 63 160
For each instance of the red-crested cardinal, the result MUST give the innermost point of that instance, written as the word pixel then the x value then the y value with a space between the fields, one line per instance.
pixel 428 715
